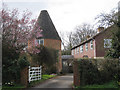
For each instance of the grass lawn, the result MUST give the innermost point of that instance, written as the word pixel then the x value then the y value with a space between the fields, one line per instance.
pixel 15 87
pixel 112 84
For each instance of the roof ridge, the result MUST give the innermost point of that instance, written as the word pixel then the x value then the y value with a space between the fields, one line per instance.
pixel 92 37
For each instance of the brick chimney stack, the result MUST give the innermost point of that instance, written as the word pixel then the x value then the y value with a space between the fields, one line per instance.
pixel 88 36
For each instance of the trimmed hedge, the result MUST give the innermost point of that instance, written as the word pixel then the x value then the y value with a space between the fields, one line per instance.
pixel 98 71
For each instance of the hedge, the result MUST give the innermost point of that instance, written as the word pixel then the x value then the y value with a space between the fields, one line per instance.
pixel 98 71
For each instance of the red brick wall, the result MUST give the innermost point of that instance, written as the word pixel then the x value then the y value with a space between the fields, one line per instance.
pixel 89 53
pixel 76 74
pixel 51 43
pixel 55 44
pixel 24 77
pixel 100 50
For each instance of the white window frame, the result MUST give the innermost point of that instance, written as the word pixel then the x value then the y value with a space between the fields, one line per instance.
pixel 81 48
pixel 107 43
pixel 38 41
pixel 91 44
pixel 86 46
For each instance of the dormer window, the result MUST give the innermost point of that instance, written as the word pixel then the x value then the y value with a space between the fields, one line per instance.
pixel 40 41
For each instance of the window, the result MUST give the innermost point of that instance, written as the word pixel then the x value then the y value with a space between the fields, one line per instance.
pixel 107 43
pixel 91 44
pixel 40 41
pixel 86 46
pixel 81 48
pixel 77 49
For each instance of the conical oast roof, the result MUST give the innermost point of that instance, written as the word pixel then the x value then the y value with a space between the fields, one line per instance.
pixel 46 24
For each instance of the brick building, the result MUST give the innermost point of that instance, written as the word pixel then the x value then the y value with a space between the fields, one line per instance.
pixel 95 46
pixel 50 37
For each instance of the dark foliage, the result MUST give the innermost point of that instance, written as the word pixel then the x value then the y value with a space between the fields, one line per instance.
pixel 11 64
pixel 47 57
pixel 110 70
pixel 10 69
pixel 23 62
pixel 89 73
pixel 114 51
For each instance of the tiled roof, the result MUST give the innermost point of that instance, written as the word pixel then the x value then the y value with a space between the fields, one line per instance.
pixel 93 37
pixel 46 24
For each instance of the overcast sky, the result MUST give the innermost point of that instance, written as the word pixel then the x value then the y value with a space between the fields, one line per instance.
pixel 65 14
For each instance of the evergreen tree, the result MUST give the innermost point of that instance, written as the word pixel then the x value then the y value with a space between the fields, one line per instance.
pixel 114 52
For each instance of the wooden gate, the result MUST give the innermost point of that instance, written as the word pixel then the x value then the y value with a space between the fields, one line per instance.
pixel 34 73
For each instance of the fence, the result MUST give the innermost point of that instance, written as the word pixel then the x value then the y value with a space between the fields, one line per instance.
pixel 34 73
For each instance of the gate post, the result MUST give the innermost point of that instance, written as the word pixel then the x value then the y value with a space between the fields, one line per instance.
pixel 76 73
pixel 24 76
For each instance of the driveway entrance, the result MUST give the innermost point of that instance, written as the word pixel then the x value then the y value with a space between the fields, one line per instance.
pixel 64 81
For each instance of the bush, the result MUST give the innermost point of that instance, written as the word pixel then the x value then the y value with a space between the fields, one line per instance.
pixel 23 62
pixel 110 70
pixel 89 73
pixel 11 65
pixel 10 68
pixel 47 57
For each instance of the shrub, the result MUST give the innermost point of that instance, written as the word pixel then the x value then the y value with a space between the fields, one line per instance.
pixel 47 57
pixel 110 70
pixel 10 69
pixel 23 62
pixel 89 73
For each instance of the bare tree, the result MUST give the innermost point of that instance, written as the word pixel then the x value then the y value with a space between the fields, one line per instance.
pixel 82 32
pixel 66 42
pixel 107 19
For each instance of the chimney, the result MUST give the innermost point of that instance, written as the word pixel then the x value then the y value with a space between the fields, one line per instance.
pixel 88 36
pixel 100 29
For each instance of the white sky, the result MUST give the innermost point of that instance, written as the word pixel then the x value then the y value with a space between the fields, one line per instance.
pixel 65 14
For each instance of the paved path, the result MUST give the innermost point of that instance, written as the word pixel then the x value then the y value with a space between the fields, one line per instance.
pixel 64 81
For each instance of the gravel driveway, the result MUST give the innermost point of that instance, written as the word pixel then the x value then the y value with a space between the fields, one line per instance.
pixel 64 81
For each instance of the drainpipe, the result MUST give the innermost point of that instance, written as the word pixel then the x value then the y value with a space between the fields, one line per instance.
pixel 94 48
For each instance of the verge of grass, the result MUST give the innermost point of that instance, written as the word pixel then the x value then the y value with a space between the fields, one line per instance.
pixel 15 87
pixel 44 77
pixel 19 86
pixel 112 84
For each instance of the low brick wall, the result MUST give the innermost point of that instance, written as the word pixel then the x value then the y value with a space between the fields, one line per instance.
pixel 24 77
